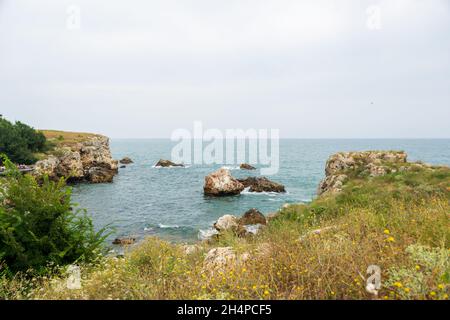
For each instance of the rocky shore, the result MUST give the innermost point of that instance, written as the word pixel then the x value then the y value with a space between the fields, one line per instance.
pixel 88 160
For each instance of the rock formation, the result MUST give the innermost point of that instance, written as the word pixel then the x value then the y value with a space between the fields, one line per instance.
pixel 167 164
pixel 368 163
pixel 248 224
pixel 246 166
pixel 89 160
pixel 251 217
pixel 221 183
pixel 262 184
pixel 126 160
pixel 227 222
pixel 124 241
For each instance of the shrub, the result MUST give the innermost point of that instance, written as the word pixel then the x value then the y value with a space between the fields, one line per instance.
pixel 38 225
pixel 19 141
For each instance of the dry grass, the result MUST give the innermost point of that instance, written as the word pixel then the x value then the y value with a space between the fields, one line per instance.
pixel 403 229
pixel 66 139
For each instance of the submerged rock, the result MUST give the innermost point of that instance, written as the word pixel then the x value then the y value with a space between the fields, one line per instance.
pixel 246 166
pixel 126 160
pixel 221 183
pixel 167 163
pixel 262 184
pixel 124 241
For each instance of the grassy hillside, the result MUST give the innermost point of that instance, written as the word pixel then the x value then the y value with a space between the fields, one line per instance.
pixel 66 139
pixel 322 250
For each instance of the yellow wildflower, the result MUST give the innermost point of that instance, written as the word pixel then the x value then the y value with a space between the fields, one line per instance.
pixel 398 284
pixel 432 293
pixel 441 286
pixel 390 239
pixel 386 231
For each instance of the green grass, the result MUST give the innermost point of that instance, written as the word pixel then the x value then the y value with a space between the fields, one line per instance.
pixel 399 222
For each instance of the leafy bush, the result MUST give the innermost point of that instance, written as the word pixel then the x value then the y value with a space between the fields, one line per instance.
pixel 19 141
pixel 38 226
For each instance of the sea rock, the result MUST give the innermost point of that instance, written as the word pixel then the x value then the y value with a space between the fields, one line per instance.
pixel 221 183
pixel 124 241
pixel 246 166
pixel 262 184
pixel 126 160
pixel 252 217
pixel 167 163
pixel 371 163
pixel 89 160
pixel 100 175
pixel 226 223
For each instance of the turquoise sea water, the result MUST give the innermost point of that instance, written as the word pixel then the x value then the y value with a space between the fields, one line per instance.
pixel 169 202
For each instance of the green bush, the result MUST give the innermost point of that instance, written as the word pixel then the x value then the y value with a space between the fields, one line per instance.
pixel 39 227
pixel 19 141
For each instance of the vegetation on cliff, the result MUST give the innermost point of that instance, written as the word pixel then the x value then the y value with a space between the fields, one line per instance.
pixel 40 227
pixel 21 142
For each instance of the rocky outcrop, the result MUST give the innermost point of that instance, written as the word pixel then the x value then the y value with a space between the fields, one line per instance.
pixel 226 223
pixel 262 184
pixel 246 166
pixel 252 217
pixel 167 164
pixel 126 160
pixel 89 160
pixel 368 163
pixel 124 241
pixel 221 183
pixel 248 224
pixel 222 259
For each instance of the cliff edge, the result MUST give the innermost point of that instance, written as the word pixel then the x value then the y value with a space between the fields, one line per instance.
pixel 78 157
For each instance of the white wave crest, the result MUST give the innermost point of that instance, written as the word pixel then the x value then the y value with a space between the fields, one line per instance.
pixel 207 234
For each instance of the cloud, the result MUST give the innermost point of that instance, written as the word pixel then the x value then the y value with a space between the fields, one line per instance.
pixel 152 66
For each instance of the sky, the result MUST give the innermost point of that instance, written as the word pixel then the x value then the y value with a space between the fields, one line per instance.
pixel 312 69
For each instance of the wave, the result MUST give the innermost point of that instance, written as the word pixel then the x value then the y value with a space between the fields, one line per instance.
pixel 207 233
pixel 231 168
pixel 171 167
pixel 168 226
pixel 264 193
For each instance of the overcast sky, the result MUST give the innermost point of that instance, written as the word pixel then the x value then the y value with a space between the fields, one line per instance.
pixel 313 69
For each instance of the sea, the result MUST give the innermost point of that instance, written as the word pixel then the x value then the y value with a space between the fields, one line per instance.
pixel 169 203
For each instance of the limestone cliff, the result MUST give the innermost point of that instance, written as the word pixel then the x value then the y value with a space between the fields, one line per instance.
pixel 368 163
pixel 85 159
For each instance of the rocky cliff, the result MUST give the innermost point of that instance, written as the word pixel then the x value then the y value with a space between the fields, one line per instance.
pixel 88 159
pixel 342 165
